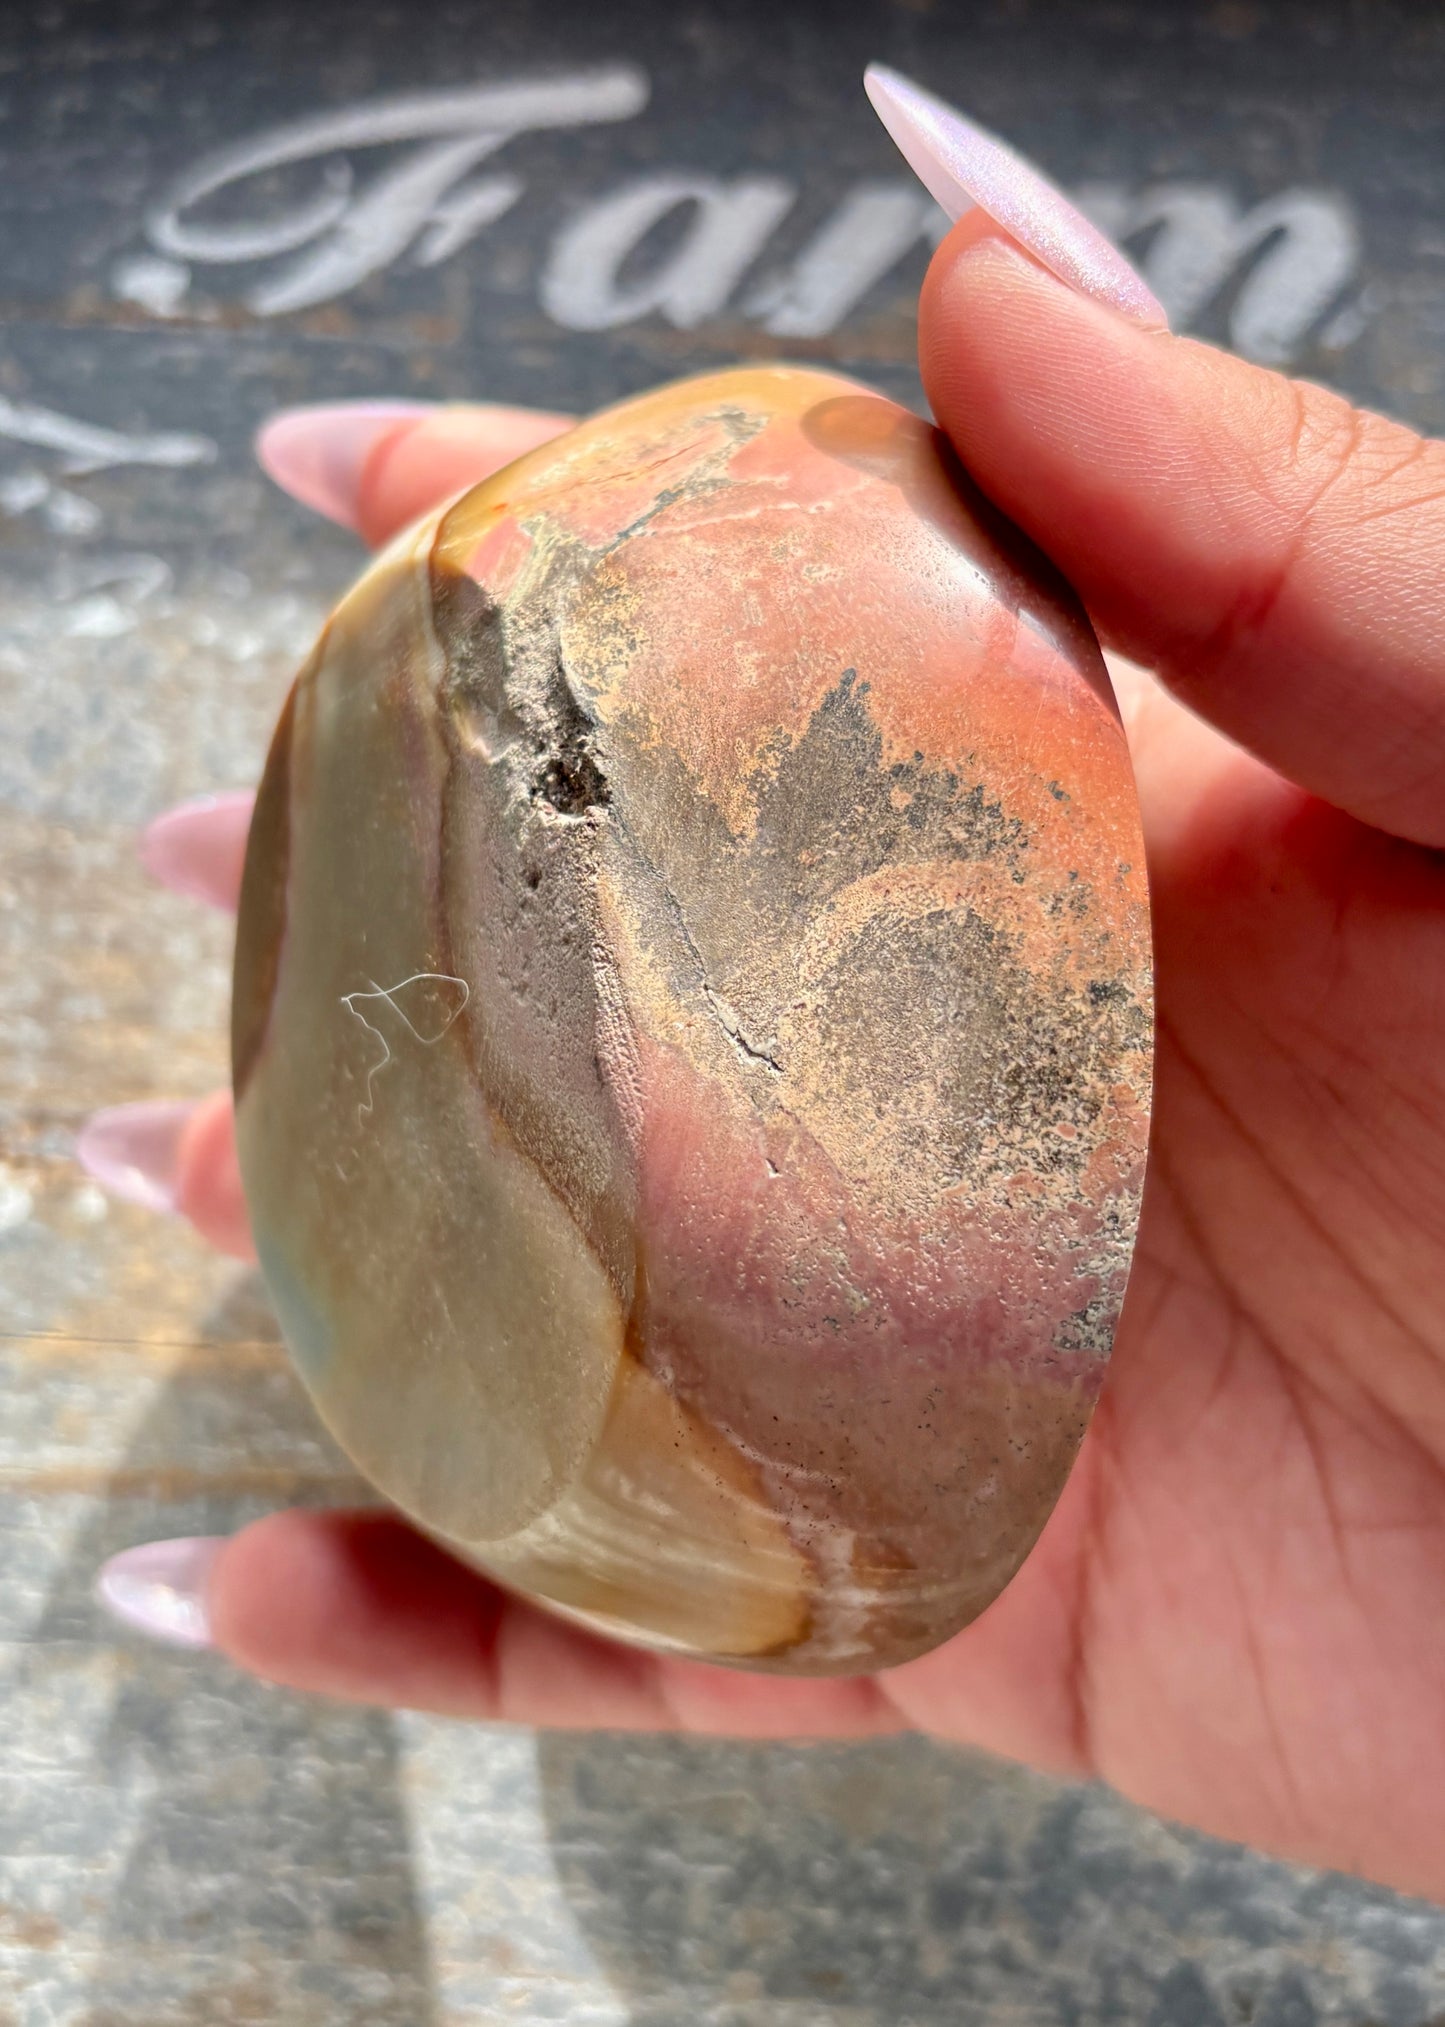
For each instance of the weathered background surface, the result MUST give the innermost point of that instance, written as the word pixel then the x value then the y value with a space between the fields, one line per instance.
pixel 177 1846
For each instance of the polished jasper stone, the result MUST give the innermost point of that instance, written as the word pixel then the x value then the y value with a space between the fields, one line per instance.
pixel 691 1029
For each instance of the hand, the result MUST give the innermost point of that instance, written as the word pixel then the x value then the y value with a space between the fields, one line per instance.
pixel 1237 1612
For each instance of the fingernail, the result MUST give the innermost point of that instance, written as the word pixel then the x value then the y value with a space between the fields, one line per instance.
pixel 160 1588
pixel 133 1151
pixel 961 165
pixel 199 847
pixel 317 455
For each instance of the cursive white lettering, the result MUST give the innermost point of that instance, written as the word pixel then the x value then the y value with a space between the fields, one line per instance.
pixel 682 244
pixel 864 239
pixel 1296 252
pixel 581 286
pixel 367 232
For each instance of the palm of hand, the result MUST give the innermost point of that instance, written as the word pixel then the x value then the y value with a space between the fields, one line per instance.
pixel 1233 1613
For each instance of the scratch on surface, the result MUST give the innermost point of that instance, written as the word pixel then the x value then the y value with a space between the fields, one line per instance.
pixel 388 993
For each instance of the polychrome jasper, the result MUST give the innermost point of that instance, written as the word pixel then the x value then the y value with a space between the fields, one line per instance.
pixel 691 1028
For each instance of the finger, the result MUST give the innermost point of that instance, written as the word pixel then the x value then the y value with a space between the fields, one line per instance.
pixel 208 1178
pixel 359 1606
pixel 133 1151
pixel 376 466
pixel 199 848
pixel 1273 553
pixel 173 1155
pixel 412 471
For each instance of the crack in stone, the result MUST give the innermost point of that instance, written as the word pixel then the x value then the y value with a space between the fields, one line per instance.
pixel 720 1009
pixel 727 1020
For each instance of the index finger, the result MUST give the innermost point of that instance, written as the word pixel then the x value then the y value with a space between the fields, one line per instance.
pixel 415 468
pixel 378 466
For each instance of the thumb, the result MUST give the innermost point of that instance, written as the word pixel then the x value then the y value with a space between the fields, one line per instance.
pixel 1277 556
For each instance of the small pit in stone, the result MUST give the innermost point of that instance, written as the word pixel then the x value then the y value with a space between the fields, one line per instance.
pixel 572 782
pixel 569 778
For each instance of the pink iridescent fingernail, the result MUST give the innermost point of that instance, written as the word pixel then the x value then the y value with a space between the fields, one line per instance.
pixel 133 1151
pixel 199 847
pixel 318 454
pixel 160 1588
pixel 961 165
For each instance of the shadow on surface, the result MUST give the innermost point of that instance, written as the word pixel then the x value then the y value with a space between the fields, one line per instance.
pixel 898 1883
pixel 267 1871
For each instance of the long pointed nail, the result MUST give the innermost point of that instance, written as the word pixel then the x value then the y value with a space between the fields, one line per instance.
pixel 133 1151
pixel 160 1588
pixel 318 454
pixel 199 847
pixel 961 165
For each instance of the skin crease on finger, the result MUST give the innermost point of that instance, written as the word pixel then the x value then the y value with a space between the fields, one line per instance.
pixel 1234 1614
